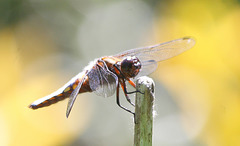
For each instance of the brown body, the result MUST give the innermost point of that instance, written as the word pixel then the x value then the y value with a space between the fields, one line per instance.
pixel 66 92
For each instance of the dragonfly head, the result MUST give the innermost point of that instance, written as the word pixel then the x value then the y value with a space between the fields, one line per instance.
pixel 130 66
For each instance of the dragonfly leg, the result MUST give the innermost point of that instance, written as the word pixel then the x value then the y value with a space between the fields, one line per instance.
pixel 134 92
pixel 128 81
pixel 118 102
pixel 134 85
pixel 124 87
pixel 114 65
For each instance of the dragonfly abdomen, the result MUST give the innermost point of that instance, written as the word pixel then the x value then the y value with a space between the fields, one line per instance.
pixel 46 102
pixel 60 94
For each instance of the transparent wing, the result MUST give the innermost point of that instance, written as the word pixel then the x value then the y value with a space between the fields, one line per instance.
pixel 74 94
pixel 150 55
pixel 147 68
pixel 102 81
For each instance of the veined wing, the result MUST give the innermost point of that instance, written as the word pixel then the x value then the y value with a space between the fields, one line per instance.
pixel 161 51
pixel 74 94
pixel 149 56
pixel 102 81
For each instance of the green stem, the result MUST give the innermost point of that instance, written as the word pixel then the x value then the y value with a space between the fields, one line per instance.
pixel 144 112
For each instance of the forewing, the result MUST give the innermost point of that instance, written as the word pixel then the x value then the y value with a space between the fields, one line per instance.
pixel 73 95
pixel 161 51
pixel 102 81
pixel 150 55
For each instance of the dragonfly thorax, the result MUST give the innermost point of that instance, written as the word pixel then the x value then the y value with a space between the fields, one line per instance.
pixel 130 66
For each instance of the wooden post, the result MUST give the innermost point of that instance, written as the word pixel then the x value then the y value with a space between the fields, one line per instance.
pixel 144 112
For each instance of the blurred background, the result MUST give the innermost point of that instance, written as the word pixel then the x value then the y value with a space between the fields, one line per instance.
pixel 43 44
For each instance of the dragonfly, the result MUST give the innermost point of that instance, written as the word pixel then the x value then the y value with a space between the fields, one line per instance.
pixel 105 75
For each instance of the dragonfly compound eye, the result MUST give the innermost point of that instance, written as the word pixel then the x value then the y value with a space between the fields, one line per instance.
pixel 130 66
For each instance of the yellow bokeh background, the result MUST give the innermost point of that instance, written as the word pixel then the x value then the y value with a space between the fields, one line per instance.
pixel 204 82
pixel 212 72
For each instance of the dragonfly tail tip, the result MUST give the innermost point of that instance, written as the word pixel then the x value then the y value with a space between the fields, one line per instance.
pixel 31 106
